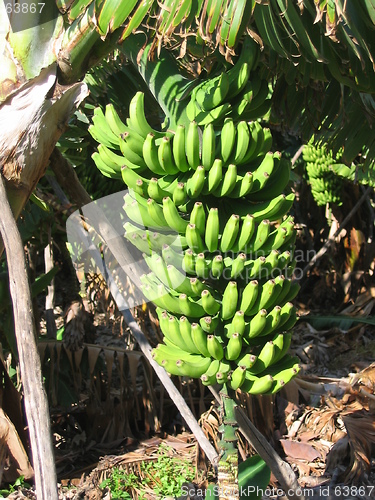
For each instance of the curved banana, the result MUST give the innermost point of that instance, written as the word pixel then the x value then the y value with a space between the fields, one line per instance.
pixel 256 324
pixel 179 149
pixel 209 377
pixel 257 385
pixel 173 217
pixel 202 269
pixel 150 155
pixel 211 231
pixel 227 139
pixel 195 183
pixel 209 323
pixel 228 184
pixel 188 262
pixel 214 177
pixel 264 359
pixel 185 330
pixel 217 266
pixel 200 339
pixel 238 377
pixel 165 156
pixel 234 347
pixel 209 303
pixel 198 217
pixel 214 347
pixel 230 300
pixel 208 146
pixel 192 145
pixel 230 232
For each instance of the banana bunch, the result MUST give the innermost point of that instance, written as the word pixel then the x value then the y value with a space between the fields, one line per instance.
pixel 326 186
pixel 235 93
pixel 190 161
pixel 206 209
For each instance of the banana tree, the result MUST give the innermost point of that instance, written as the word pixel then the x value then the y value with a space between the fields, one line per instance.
pixel 47 47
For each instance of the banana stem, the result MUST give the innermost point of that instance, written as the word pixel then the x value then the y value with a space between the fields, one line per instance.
pixel 280 469
pixel 227 471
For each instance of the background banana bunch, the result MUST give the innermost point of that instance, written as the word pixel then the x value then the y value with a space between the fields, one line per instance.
pixel 206 208
pixel 321 163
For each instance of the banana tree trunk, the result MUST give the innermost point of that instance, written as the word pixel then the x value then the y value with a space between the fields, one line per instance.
pixel 31 122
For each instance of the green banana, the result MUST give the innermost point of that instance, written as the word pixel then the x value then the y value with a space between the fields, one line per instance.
pixel 230 300
pixel 245 234
pixel 175 333
pixel 156 213
pixel 249 296
pixel 273 319
pixel 214 177
pixel 238 377
pixel 214 347
pixel 243 186
pixel 257 385
pixel 228 139
pixel 209 303
pixel 172 216
pixel 185 330
pixel 170 256
pixel 179 149
pixel 199 338
pixel 179 194
pixel 242 142
pixel 165 156
pixel 264 359
pixel 256 325
pixel 137 119
pixel 211 231
pixel 223 373
pixel 192 145
pixel 234 347
pixel 230 232
pixel 195 183
pixel 188 262
pixel 247 359
pixel 114 121
pixel 202 269
pixel 198 217
pixel 150 155
pixel 208 146
pixel 197 286
pixel 154 191
pixel 134 181
pixel 260 236
pixel 209 323
pixel 272 210
pixel 188 307
pixel 238 265
pixel 209 377
pixel 228 184
pixel 217 266
pixel 194 239
pixel 238 324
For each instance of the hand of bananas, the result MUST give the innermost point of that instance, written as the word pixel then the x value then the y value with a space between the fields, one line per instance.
pixel 206 207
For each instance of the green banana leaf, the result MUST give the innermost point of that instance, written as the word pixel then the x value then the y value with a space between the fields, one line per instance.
pixel 253 479
pixel 43 281
pixel 341 321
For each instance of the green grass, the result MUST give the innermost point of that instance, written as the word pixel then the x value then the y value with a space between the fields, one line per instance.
pixel 164 477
